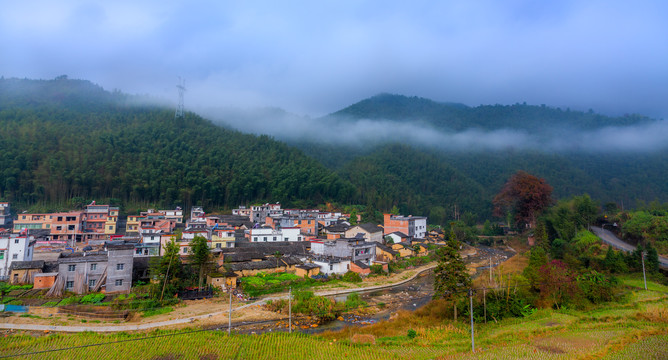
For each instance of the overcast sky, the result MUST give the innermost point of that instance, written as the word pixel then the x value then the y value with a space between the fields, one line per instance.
pixel 316 57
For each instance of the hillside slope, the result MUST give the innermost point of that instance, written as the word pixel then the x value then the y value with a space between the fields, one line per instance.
pixel 63 139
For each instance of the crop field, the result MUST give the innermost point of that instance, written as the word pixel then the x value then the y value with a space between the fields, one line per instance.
pixel 637 328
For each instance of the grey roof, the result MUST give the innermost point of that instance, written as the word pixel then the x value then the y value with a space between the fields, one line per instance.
pixel 361 265
pixel 400 234
pixel 370 227
pixel 270 263
pixel 307 266
pixel 22 265
pixel 338 227
pixel 386 248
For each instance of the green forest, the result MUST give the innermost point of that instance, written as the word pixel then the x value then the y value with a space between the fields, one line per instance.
pixel 64 139
pixel 67 142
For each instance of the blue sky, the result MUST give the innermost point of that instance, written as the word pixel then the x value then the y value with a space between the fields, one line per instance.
pixel 315 57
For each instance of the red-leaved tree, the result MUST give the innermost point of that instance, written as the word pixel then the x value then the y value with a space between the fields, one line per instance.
pixel 525 195
pixel 557 283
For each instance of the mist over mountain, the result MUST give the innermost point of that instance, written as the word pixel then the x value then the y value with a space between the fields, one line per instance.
pixel 422 122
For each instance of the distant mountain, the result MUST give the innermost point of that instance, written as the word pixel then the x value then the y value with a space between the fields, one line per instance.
pixel 457 117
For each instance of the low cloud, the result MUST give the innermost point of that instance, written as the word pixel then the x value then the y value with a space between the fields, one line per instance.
pixel 284 126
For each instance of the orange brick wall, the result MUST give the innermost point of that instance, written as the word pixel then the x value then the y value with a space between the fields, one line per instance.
pixel 391 226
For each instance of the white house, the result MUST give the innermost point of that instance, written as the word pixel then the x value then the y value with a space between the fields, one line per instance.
pixel 332 266
pixel 14 247
pixel 267 234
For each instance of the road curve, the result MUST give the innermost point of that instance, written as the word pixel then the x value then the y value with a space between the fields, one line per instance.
pixel 153 325
pixel 611 239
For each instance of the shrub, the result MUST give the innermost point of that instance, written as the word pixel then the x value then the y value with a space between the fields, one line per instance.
pixel 352 277
pixel 50 303
pixel 68 301
pixel 377 269
pixel 411 334
pixel 159 311
pixel 354 301
pixel 92 298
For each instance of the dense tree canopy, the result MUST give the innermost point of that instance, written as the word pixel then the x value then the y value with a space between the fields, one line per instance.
pixel 70 145
pixel 524 195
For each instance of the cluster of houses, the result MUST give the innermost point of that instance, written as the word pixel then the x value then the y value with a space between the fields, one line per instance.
pixel 95 250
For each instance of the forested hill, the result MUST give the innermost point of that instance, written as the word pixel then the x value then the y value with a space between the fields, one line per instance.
pixel 62 139
pixel 456 117
pixel 417 183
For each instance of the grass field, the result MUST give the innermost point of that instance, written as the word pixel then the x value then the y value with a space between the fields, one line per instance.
pixel 637 328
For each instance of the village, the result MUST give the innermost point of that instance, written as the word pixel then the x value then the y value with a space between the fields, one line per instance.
pixel 95 250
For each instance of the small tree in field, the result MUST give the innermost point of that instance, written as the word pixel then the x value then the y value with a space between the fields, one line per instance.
pixel 557 283
pixel 451 275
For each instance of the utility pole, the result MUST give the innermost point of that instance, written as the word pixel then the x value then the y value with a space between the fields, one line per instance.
pixel 229 314
pixel 643 269
pixel 490 270
pixel 484 302
pixel 290 310
pixel 472 337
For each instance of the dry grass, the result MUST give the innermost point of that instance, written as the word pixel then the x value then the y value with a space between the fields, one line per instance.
pixel 657 313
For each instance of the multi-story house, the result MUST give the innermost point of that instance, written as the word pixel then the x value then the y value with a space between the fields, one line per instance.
pixel 14 247
pixel 370 232
pixel 67 226
pixel 6 219
pixel 132 223
pixel 222 238
pixel 268 234
pixel 99 221
pixel 109 270
pixel 260 212
pixel 354 249
pixel 307 224
pixel 31 222
pixel 242 211
pixel 413 226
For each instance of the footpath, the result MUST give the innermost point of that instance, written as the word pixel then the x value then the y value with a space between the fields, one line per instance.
pixel 190 319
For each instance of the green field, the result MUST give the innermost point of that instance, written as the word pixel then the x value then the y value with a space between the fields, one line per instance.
pixel 636 328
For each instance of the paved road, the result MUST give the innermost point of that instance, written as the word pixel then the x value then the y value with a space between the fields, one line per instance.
pixel 153 325
pixel 610 238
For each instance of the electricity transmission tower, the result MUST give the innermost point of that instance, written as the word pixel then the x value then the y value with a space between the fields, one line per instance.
pixel 182 88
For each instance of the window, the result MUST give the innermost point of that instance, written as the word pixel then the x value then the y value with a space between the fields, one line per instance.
pixel 93 267
pixel 69 284
pixel 274 238
pixel 15 256
pixel 331 267
pixel 16 241
pixel 91 283
pixel 286 239
pixel 71 267
pixel 219 245
pixel 119 282
pixel 185 250
pixel 255 238
pixel 2 254
pixel 119 266
pixel 265 238
pixel 111 228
